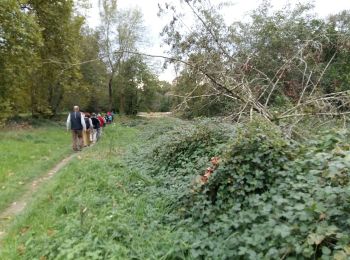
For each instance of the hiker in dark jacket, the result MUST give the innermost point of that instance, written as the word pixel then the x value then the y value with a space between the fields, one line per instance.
pixel 76 123
pixel 86 134
pixel 96 124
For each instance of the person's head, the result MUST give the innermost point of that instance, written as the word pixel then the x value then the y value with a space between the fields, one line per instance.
pixel 93 115
pixel 76 108
pixel 87 115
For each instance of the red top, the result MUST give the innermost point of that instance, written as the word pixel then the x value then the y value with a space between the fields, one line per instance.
pixel 102 122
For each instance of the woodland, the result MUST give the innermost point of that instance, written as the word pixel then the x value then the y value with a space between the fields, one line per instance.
pixel 253 163
pixel 283 64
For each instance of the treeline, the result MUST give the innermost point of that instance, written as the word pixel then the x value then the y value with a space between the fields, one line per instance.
pixel 280 64
pixel 50 60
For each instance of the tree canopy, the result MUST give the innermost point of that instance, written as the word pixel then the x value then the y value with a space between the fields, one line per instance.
pixel 279 63
pixel 50 60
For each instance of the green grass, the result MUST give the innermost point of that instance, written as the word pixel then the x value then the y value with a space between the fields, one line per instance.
pixel 26 154
pixel 91 210
pixel 112 202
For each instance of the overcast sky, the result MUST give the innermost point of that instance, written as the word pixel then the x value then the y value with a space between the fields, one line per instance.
pixel 239 8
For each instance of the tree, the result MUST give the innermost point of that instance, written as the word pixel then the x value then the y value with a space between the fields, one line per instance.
pixel 19 40
pixel 194 96
pixel 164 97
pixel 94 72
pixel 139 88
pixel 337 77
pixel 121 32
pixel 58 75
pixel 274 59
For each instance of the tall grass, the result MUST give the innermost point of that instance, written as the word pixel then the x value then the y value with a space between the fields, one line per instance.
pixel 91 210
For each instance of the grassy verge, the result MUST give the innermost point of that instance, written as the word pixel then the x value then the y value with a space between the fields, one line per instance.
pixel 90 210
pixel 202 189
pixel 27 154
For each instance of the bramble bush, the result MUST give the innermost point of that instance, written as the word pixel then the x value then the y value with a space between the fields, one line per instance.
pixel 269 198
pixel 175 151
pixel 189 144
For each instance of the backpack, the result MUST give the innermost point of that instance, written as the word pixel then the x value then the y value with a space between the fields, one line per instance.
pixel 87 123
pixel 95 122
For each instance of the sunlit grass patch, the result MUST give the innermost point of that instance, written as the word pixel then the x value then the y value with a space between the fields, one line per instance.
pixel 26 154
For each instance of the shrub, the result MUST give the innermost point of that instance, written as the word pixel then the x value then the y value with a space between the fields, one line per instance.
pixel 6 111
pixel 189 145
pixel 251 164
pixel 273 199
pixel 173 154
pixel 268 197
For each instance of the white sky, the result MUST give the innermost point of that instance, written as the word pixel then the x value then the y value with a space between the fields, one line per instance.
pixel 154 24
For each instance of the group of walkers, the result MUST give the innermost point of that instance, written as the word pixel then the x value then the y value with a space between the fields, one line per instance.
pixel 86 128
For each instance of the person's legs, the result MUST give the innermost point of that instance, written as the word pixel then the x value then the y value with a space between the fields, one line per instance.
pixel 80 139
pixel 85 138
pixel 94 135
pixel 91 135
pixel 98 133
pixel 88 137
pixel 74 140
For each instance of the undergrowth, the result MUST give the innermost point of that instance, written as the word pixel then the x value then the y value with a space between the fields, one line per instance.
pixel 172 189
pixel 269 197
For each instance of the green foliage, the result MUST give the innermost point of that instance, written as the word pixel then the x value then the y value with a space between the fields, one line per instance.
pixel 5 107
pixel 251 165
pixel 139 197
pixel 137 87
pixel 37 74
pixel 57 80
pixel 18 56
pixel 94 73
pixel 269 198
pixel 204 102
pixel 337 77
pixel 274 57
pixel 55 62
pixel 121 32
pixel 185 148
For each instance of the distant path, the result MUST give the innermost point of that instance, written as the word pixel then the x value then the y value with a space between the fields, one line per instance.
pixel 18 206
pixel 154 114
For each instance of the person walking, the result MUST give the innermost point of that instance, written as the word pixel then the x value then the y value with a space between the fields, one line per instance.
pixel 86 134
pixel 96 126
pixel 102 122
pixel 76 123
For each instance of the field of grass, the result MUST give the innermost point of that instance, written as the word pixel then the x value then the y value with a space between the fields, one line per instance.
pixel 90 211
pixel 140 193
pixel 26 154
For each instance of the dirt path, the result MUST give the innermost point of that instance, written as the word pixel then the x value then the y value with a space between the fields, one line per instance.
pixel 18 206
pixel 154 114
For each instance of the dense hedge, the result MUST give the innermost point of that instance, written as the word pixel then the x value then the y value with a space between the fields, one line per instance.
pixel 268 197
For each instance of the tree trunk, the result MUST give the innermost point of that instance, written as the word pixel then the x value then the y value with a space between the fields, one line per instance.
pixel 110 98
